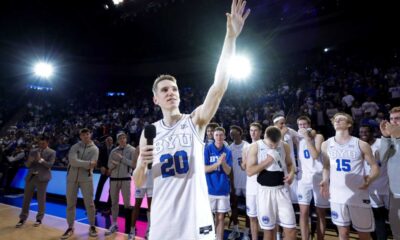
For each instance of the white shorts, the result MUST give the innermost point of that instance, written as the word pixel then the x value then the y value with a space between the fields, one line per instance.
pixel 140 192
pixel 307 190
pixel 378 200
pixel 219 204
pixel 275 207
pixel 251 205
pixel 240 192
pixel 362 218
pixel 293 191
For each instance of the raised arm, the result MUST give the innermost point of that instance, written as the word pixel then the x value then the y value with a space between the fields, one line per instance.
pixel 235 21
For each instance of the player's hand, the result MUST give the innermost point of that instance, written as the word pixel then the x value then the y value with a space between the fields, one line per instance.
pixel 394 130
pixel 221 159
pixel 288 179
pixel 146 155
pixel 103 170
pixel 115 162
pixel 367 182
pixel 236 18
pixel 119 156
pixel 93 164
pixel 304 132
pixel 324 189
pixel 384 130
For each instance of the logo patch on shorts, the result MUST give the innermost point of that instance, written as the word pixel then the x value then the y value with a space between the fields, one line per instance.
pixel 300 196
pixel 334 215
pixel 205 230
pixel 265 219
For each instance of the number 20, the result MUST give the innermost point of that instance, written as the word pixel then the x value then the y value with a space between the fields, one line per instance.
pixel 168 161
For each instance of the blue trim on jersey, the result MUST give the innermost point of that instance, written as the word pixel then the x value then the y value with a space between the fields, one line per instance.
pixel 217 181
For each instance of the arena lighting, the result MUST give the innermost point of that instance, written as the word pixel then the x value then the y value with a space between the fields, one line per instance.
pixel 326 50
pixel 117 2
pixel 43 70
pixel 239 67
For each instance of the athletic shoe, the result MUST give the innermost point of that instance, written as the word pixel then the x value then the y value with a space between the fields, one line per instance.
pixel 131 235
pixel 37 223
pixel 20 223
pixel 68 233
pixel 234 234
pixel 111 230
pixel 92 231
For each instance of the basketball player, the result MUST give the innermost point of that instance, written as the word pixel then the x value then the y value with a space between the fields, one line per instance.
pixel 120 167
pixel 389 150
pixel 269 159
pixel 289 136
pixel 180 206
pixel 218 166
pixel 145 189
pixel 379 189
pixel 251 183
pixel 239 179
pixel 309 177
pixel 343 167
pixel 83 158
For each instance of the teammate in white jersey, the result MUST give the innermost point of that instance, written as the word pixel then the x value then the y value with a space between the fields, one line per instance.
pixel 269 159
pixel 343 157
pixel 379 189
pixel 180 206
pixel 289 136
pixel 309 177
pixel 251 183
pixel 239 180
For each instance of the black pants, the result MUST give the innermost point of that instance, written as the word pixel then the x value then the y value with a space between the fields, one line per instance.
pixel 380 225
pixel 99 190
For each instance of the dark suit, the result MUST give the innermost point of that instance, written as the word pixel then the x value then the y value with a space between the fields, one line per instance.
pixel 38 177
pixel 104 153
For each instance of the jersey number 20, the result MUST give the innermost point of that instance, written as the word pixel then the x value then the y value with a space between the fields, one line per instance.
pixel 172 165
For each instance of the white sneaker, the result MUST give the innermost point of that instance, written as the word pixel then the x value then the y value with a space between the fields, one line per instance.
pixel 131 236
pixel 245 237
pixel 234 234
pixel 111 230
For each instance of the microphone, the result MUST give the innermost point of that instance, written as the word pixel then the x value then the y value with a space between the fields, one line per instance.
pixel 150 134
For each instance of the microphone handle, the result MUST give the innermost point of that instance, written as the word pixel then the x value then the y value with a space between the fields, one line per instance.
pixel 149 142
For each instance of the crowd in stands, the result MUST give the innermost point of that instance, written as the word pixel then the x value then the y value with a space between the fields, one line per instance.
pixel 366 90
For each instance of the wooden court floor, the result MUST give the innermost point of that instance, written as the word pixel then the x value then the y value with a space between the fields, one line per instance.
pixel 51 229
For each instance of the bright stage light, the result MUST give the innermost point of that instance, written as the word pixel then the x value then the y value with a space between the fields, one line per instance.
pixel 117 2
pixel 239 67
pixel 43 70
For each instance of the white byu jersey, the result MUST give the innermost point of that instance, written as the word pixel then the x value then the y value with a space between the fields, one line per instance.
pixel 239 175
pixel 180 207
pixel 347 173
pixel 307 165
pixel 381 184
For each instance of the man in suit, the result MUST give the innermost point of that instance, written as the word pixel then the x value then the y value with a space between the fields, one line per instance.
pixel 39 163
pixel 104 153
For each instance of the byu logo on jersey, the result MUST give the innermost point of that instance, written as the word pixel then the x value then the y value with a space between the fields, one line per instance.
pixel 173 141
